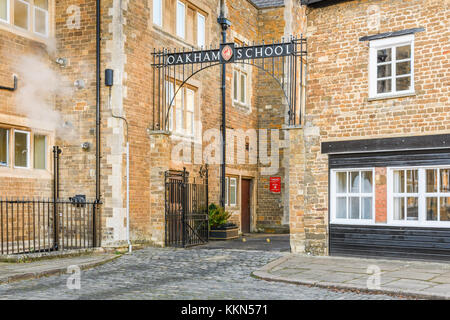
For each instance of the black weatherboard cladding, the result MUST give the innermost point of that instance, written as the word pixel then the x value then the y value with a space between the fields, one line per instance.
pixel 382 240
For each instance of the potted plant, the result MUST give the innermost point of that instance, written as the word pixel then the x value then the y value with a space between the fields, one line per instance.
pixel 219 227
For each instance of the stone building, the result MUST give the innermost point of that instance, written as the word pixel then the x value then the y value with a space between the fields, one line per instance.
pixel 365 170
pixel 51 47
pixel 371 170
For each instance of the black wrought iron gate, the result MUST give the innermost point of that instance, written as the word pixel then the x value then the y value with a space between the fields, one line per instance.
pixel 186 209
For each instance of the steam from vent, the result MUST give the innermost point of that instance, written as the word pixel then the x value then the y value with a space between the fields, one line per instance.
pixel 39 87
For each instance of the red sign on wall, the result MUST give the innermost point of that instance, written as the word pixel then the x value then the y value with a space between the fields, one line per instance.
pixel 275 184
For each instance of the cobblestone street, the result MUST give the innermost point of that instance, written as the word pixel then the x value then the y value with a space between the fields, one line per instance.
pixel 196 273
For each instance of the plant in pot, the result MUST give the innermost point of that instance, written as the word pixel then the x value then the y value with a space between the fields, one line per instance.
pixel 219 227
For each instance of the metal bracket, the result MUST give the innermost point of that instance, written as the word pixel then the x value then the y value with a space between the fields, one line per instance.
pixel 9 88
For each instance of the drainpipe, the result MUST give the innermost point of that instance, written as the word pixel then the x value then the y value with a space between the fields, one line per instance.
pixel 109 82
pixel 224 24
pixel 97 118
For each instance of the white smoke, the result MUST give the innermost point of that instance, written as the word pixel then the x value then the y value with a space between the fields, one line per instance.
pixel 38 88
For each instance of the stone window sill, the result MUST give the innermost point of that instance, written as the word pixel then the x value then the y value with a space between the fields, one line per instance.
pixel 393 96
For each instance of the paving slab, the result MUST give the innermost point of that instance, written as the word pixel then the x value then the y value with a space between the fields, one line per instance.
pixel 12 272
pixel 419 279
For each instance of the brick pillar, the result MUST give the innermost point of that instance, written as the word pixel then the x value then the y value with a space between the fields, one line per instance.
pixel 159 164
pixel 296 159
pixel 380 195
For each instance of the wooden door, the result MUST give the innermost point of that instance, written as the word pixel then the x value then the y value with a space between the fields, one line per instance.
pixel 245 206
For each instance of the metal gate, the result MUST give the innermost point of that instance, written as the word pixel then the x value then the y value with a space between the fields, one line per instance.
pixel 186 209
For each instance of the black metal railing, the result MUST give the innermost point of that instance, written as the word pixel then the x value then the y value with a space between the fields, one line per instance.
pixel 187 222
pixel 40 225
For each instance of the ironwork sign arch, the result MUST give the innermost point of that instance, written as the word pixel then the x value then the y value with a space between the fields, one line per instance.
pixel 284 61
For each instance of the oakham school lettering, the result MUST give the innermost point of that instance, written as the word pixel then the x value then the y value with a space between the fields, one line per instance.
pixel 238 53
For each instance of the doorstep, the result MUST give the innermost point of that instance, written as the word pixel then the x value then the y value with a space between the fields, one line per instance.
pixel 416 279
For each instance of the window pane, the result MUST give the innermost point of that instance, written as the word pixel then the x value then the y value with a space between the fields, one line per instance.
pixel 367 181
pixel 432 180
pixel 341 182
pixel 341 207
pixel 399 181
pixel 445 180
pixel 354 208
pixel 169 97
pixel 21 14
pixel 243 87
pixel 403 83
pixel 21 149
pixel 412 209
pixel 4 9
pixel 179 107
pixel 226 190
pixel 445 209
pixel 403 52
pixel 354 182
pixel 190 101
pixel 412 181
pixel 190 107
pixel 384 71
pixel 366 208
pixel 200 30
pixel 399 208
pixel 384 86
pixel 384 55
pixel 235 84
pixel 3 147
pixel 181 20
pixel 40 21
pixel 157 12
pixel 403 68
pixel 43 4
pixel 39 151
pixel 432 212
pixel 232 191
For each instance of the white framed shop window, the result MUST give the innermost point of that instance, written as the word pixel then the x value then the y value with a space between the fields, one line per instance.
pixel 419 196
pixel 352 196
pixel 391 67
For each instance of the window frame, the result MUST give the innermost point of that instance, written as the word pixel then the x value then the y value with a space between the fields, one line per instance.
pixel 422 196
pixel 28 133
pixel 47 17
pixel 387 43
pixel 360 195
pixel 161 15
pixel 8 13
pixel 177 20
pixel 7 148
pixel 29 23
pixel 201 45
pixel 181 95
pixel 237 94
pixel 45 150
pixel 228 191
pixel 30 31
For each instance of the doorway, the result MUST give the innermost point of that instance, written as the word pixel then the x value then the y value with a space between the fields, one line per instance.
pixel 245 205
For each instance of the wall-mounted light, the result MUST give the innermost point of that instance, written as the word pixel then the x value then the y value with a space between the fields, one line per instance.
pixel 85 146
pixel 79 84
pixel 62 62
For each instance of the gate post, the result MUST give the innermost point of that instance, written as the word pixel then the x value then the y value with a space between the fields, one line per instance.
pixel 183 206
pixel 56 153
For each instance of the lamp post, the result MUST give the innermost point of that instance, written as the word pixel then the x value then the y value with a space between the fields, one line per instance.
pixel 224 24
